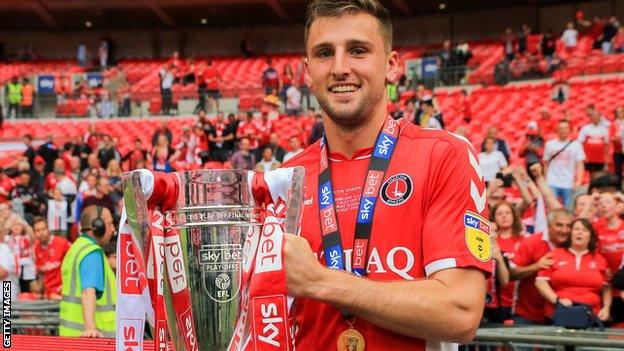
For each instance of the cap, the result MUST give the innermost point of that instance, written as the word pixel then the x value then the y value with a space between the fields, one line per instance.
pixel 39 160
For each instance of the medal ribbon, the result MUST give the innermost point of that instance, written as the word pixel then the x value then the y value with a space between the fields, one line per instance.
pixel 330 232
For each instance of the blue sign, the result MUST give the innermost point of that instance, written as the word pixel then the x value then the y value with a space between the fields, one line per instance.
pixel 430 67
pixel 45 84
pixel 94 79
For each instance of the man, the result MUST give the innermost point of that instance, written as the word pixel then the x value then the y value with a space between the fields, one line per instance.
pixel 277 151
pixel 267 161
pixel 108 151
pixel 270 78
pixel 25 200
pixel 317 129
pixel 82 151
pixel 88 282
pixel 563 159
pixel 243 158
pixel 594 137
pixel 429 116
pixel 163 129
pixel 295 148
pixel 49 152
pixel 49 253
pixel 424 284
pixel 38 176
pixel 219 136
pixel 136 155
pixel 14 96
pixel 532 255
pixel 28 95
pixel 166 84
pixel 93 166
pixel 102 196
pixel 30 151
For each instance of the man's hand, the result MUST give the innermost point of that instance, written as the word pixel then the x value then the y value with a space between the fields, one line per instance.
pixel 92 333
pixel 545 262
pixel 603 314
pixel 302 268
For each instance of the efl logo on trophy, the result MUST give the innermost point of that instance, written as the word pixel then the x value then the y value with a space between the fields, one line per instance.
pixel 221 270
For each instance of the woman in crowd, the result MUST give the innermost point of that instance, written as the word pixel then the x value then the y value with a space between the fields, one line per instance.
pixel 114 172
pixel 508 232
pixel 492 161
pixel 578 274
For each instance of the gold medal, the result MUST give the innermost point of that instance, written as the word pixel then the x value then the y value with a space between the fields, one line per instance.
pixel 351 340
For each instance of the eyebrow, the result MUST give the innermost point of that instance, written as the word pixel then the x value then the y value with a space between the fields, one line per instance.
pixel 351 42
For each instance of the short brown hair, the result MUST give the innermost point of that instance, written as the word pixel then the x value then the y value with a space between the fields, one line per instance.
pixel 336 8
pixel 39 219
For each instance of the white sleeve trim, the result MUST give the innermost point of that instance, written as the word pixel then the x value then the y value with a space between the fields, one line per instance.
pixel 542 278
pixel 439 265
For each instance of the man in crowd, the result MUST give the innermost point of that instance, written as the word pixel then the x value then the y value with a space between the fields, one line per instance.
pixel 88 282
pixel 295 148
pixel 102 196
pixel 270 78
pixel 49 253
pixel 563 159
pixel 532 255
pixel 277 151
pixel 439 295
pixel 108 151
pixel 594 137
pixel 500 144
pixel 243 158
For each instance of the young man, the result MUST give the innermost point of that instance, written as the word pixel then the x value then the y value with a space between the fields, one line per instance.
pixel 594 137
pixel 88 282
pixel 49 253
pixel 423 283
pixel 564 163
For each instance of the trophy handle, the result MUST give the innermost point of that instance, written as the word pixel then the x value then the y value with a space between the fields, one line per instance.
pixel 294 203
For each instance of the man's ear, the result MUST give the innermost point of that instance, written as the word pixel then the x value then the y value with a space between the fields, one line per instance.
pixel 306 74
pixel 392 66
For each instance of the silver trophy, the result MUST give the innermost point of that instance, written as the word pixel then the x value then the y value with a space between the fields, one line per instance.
pixel 215 211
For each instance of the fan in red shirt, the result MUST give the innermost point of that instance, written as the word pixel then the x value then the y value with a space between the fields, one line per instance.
pixel 578 274
pixel 248 129
pixel 610 230
pixel 6 185
pixel 533 255
pixel 509 234
pixel 420 249
pixel 49 253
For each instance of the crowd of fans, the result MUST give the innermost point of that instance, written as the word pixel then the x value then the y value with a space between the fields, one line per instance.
pixel 526 58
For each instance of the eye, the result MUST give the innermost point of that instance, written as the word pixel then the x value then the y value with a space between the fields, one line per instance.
pixel 358 51
pixel 324 53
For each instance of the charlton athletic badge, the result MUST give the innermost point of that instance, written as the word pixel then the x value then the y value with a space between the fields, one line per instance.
pixel 397 189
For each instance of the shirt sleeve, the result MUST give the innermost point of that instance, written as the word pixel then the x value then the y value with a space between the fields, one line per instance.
pixel 92 272
pixel 545 274
pixel 502 160
pixel 522 256
pixel 580 153
pixel 455 230
pixel 581 136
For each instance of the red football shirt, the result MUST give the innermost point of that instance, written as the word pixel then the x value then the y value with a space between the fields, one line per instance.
pixel 530 304
pixel 418 227
pixel 610 243
pixel 48 260
pixel 578 277
pixel 248 130
pixel 508 247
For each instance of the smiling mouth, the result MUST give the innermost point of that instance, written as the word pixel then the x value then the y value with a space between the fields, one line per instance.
pixel 344 89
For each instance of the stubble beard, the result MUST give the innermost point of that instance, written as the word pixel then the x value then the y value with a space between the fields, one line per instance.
pixel 353 118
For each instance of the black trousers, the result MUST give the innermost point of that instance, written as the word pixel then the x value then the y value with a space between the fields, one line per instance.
pixel 167 100
pixel 618 159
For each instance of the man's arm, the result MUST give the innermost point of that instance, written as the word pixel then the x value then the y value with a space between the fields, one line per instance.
pixel 88 314
pixel 445 306
pixel 521 272
pixel 580 173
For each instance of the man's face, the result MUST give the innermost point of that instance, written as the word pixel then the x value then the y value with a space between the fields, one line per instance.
pixel 92 160
pixel 295 144
pixel 41 232
pixel 347 66
pixel 24 179
pixel 103 186
pixel 559 229
pixel 244 145
pixel 563 130
pixel 274 140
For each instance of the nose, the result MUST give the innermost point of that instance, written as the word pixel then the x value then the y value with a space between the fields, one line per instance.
pixel 340 68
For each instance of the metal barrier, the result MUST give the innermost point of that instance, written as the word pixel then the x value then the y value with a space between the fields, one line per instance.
pixel 547 338
pixel 35 317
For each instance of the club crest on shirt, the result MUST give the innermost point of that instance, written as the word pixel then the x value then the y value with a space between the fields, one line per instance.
pixel 397 189
pixel 478 236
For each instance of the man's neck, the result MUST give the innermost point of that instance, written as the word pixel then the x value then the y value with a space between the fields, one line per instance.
pixel 348 141
pixel 614 221
pixel 563 139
